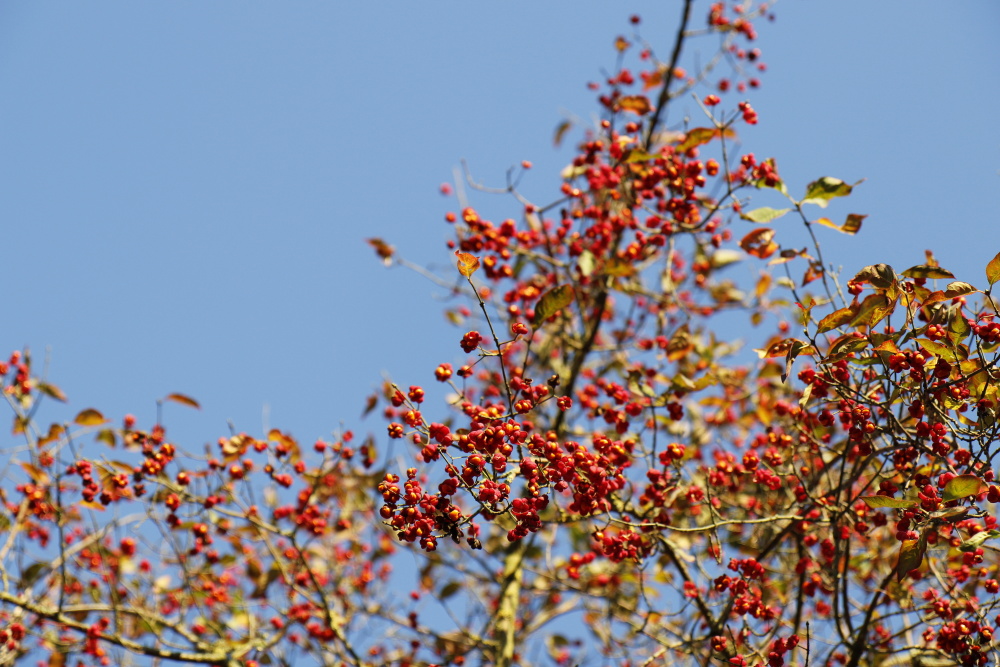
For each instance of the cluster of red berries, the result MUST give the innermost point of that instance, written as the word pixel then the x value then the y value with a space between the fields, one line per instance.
pixel 470 341
pixel 421 517
pixel 779 647
pixel 749 115
pixel 21 384
pixel 12 635
pixel 746 598
pixel 622 545
pixel 989 333
pixel 966 639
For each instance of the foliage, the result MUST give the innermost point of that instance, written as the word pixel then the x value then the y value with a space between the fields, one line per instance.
pixel 612 478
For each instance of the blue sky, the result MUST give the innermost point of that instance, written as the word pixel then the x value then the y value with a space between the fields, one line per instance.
pixel 185 187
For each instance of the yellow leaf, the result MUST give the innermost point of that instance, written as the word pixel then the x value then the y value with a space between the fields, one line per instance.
pixel 107 436
pixel 703 135
pixel 763 284
pixel 993 270
pixel 37 475
pixel 851 226
pixel 467 264
pixel 616 266
pixel 90 417
pixel 837 318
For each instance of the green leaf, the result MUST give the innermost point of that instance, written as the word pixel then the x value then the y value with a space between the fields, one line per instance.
pixel 876 502
pixel 51 391
pixel 33 573
pixel 977 540
pixel 821 191
pixel 928 272
pixel 637 386
pixel 764 214
pixel 551 302
pixel 958 327
pixel 449 590
pixel 993 270
pixel 641 156
pixel 586 263
pixel 561 130
pixel 962 486
pixel 946 352
pixel 911 555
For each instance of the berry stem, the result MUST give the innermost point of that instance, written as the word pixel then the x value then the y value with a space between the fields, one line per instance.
pixel 496 341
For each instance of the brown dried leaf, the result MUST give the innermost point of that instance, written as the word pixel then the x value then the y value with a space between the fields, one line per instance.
pixel 383 250
pixel 183 400
pixel 637 104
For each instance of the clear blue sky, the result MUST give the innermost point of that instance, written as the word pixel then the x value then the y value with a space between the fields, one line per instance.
pixel 185 186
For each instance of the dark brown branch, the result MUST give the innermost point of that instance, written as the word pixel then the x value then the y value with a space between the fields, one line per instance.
pixel 675 57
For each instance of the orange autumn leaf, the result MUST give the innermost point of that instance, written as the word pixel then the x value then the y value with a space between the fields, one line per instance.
pixel 637 104
pixel 183 400
pixel 759 243
pixel 467 264
pixel 653 79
